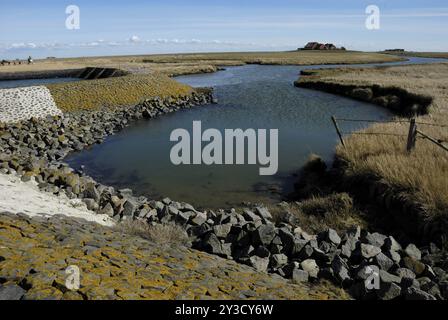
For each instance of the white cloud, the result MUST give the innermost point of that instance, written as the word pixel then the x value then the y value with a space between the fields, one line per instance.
pixel 21 45
pixel 155 44
pixel 134 39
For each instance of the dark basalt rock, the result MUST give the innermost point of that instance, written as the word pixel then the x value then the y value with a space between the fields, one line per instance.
pixel 389 291
pixel 264 234
pixel 11 292
pixel 417 294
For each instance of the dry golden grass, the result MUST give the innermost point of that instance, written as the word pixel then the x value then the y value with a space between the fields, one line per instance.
pixel 177 64
pixel 280 58
pixel 334 211
pixel 318 213
pixel 337 203
pixel 114 92
pixel 326 290
pixel 315 205
pixel 424 172
pixel 161 234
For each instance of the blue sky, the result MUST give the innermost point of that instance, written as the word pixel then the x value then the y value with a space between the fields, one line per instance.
pixel 113 27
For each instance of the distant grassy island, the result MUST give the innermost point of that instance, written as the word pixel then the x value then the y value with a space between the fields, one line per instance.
pixel 405 53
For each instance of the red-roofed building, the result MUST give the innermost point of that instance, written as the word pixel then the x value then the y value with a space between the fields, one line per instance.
pixel 320 46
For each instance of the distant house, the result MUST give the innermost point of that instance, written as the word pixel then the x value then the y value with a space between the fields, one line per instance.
pixel 320 46
pixel 311 46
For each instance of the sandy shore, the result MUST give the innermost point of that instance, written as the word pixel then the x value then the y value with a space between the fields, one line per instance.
pixel 25 197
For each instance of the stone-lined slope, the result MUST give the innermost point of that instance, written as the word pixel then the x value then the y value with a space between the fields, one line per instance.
pixel 19 104
pixel 34 254
pixel 113 92
pixel 25 103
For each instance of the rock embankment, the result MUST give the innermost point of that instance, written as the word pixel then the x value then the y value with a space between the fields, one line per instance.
pixel 35 252
pixel 29 146
pixel 34 150
pixel 369 265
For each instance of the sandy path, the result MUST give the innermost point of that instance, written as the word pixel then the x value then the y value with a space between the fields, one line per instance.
pixel 25 197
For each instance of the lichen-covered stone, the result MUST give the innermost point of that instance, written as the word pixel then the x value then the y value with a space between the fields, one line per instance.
pixel 123 266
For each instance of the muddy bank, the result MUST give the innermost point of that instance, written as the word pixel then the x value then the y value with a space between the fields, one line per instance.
pixel 398 100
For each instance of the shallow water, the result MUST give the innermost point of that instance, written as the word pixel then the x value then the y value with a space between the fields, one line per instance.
pixel 251 96
pixel 7 84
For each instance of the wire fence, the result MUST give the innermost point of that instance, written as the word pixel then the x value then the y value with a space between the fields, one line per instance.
pixel 393 121
pixel 412 135
pixel 376 134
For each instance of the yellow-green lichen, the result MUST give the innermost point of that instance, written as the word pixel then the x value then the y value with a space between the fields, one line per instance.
pixel 114 92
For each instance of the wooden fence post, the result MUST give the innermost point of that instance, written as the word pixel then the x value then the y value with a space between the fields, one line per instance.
pixel 412 135
pixel 337 130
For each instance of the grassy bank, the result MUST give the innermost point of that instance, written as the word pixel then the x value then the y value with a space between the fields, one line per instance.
pixel 420 54
pixel 422 175
pixel 113 92
pixel 177 64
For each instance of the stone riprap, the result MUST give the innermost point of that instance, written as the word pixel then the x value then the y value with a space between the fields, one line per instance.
pixel 35 252
pixel 25 103
pixel 35 149
pixel 369 265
